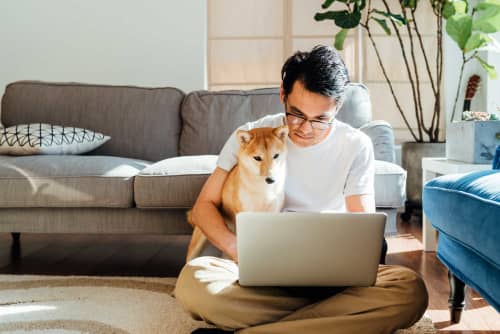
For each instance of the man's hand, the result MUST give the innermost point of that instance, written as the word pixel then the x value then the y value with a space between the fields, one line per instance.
pixel 233 251
pixel 360 203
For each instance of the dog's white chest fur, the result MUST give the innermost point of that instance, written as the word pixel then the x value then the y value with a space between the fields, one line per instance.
pixel 262 198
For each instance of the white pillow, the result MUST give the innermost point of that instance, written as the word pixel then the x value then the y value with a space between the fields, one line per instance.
pixel 41 138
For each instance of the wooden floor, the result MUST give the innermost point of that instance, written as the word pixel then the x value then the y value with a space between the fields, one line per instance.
pixel 137 255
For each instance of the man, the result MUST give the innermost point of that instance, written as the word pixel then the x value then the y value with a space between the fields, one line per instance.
pixel 330 167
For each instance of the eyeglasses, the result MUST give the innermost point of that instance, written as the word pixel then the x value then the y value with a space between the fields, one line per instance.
pixel 299 120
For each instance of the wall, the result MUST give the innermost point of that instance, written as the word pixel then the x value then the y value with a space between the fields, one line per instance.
pixel 124 42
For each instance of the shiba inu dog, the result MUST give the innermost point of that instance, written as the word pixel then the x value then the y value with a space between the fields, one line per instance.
pixel 256 183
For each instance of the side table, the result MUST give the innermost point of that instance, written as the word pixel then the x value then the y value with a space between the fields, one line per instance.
pixel 434 167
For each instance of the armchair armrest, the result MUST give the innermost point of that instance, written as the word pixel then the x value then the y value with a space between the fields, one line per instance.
pixel 382 136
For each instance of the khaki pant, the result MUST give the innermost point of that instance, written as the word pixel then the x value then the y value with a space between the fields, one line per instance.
pixel 207 288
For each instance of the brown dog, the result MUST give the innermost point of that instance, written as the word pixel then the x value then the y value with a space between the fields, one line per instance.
pixel 256 183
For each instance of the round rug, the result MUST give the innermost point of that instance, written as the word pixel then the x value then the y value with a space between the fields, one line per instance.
pixel 102 305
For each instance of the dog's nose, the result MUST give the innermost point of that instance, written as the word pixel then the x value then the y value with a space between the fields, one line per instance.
pixel 269 180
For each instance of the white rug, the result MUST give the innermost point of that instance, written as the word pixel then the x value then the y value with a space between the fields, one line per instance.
pixel 101 305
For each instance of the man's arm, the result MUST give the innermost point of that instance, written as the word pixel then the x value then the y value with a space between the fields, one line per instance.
pixel 360 203
pixel 207 217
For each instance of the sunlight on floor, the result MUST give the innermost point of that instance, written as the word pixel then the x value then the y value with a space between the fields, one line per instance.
pixel 403 243
pixel 8 310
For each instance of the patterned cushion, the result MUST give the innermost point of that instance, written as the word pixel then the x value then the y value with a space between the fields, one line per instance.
pixel 41 138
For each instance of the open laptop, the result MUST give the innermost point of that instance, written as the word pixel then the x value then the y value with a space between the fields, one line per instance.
pixel 309 249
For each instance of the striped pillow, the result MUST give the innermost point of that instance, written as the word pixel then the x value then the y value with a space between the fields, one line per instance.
pixel 41 138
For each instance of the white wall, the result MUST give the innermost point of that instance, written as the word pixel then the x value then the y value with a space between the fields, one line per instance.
pixel 126 42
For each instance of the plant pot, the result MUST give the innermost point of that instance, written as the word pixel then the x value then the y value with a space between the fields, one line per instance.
pixel 411 160
pixel 473 142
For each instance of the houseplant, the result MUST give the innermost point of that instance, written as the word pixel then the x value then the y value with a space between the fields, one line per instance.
pixel 394 17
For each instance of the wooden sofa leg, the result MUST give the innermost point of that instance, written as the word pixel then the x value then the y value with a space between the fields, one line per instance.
pixel 456 302
pixel 16 236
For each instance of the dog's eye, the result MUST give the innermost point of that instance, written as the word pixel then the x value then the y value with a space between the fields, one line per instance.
pixel 257 158
pixel 276 156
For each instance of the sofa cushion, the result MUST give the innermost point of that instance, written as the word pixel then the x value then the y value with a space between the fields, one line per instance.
pixel 390 185
pixel 209 118
pixel 466 207
pixel 144 123
pixel 176 182
pixel 67 181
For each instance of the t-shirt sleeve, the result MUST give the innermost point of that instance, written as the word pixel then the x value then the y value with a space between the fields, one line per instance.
pixel 361 176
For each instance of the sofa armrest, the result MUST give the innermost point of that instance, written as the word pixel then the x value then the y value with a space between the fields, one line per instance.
pixel 382 136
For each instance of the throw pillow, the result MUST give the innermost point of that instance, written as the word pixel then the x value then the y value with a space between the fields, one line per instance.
pixel 41 138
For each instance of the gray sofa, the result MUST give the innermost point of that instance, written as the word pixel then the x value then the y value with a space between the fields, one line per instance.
pixel 163 147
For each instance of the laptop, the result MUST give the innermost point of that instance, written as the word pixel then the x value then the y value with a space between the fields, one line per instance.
pixel 309 249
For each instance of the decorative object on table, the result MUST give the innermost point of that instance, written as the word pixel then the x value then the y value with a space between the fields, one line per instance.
pixel 472 88
pixel 478 116
pixel 474 138
pixel 473 141
pixel 90 304
pixel 41 138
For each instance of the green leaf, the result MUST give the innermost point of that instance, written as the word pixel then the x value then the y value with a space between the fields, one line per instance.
pixel 454 7
pixel 330 15
pixel 489 68
pixel 448 10
pixel 348 20
pixel 339 39
pixel 327 4
pixel 383 24
pixel 489 20
pixel 395 17
pixel 476 41
pixel 342 18
pixel 487 4
pixel 459 27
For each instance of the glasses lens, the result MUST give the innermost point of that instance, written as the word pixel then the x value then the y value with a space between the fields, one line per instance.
pixel 294 119
pixel 299 120
pixel 320 125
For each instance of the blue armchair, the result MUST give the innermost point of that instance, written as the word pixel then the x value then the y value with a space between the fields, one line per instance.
pixel 465 209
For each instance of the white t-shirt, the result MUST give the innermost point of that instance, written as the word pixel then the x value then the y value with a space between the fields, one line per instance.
pixel 319 176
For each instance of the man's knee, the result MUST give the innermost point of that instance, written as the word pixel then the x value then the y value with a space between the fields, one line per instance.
pixel 414 294
pixel 186 288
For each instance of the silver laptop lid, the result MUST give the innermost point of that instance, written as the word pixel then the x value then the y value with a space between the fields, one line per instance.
pixel 309 249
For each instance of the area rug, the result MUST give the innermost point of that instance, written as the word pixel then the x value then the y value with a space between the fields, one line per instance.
pixel 102 305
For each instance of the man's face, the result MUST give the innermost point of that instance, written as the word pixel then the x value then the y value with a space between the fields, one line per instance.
pixel 313 107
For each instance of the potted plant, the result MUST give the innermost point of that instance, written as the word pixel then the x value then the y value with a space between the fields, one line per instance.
pixel 393 17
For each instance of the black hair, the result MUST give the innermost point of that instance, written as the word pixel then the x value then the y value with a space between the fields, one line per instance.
pixel 320 70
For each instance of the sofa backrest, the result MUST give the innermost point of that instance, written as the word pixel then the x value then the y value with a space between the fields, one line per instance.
pixel 143 123
pixel 209 118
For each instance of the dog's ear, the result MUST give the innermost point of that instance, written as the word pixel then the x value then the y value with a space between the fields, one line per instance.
pixel 281 132
pixel 244 136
